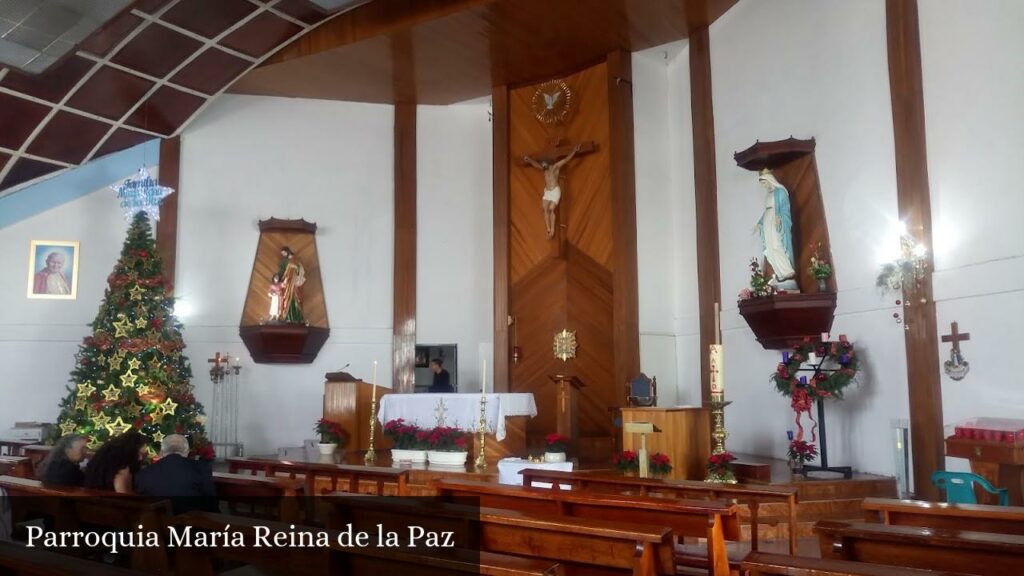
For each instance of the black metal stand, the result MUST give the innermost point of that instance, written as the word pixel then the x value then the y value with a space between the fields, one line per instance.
pixel 846 471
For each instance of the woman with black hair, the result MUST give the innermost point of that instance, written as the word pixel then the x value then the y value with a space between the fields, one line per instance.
pixel 62 466
pixel 114 464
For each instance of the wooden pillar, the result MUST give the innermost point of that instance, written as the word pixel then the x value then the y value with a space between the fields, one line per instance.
pixel 502 222
pixel 921 336
pixel 709 283
pixel 404 309
pixel 626 307
pixel 167 228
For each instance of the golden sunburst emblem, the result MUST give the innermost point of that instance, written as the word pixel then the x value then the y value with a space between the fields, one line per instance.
pixel 552 102
pixel 565 345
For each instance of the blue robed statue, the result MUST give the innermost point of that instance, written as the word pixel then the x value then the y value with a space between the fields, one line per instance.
pixel 776 230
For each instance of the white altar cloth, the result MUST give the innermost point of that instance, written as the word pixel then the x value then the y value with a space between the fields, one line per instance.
pixel 461 411
pixel 508 471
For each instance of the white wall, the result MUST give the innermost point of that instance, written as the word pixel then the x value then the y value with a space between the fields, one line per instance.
pixel 39 338
pixel 251 158
pixel 811 69
pixel 666 244
pixel 972 58
pixel 455 243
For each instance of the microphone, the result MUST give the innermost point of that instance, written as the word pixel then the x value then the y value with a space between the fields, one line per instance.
pixel 343 367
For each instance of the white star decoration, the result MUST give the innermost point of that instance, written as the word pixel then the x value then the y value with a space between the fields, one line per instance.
pixel 141 193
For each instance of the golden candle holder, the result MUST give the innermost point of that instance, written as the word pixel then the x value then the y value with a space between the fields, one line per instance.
pixel 719 434
pixel 481 458
pixel 371 455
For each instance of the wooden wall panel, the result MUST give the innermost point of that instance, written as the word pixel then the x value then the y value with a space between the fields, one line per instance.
pixel 709 281
pixel 585 213
pixel 914 200
pixel 404 308
pixel 500 169
pixel 573 280
pixel 268 256
pixel 623 192
pixel 810 228
pixel 167 227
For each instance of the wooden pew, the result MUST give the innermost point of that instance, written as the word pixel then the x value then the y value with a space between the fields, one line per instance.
pixel 714 521
pixel 13 447
pixel 762 564
pixel 342 477
pixel 36 453
pixel 973 517
pixel 20 466
pixel 17 560
pixel 260 496
pixel 583 546
pixel 337 560
pixel 751 496
pixel 72 507
pixel 978 553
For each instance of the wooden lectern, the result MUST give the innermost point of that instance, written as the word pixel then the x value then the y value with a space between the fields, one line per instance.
pixel 347 402
pixel 685 437
pixel 567 395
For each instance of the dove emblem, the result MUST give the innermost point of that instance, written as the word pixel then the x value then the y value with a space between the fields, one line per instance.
pixel 551 99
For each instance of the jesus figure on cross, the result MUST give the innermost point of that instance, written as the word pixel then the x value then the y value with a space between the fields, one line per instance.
pixel 552 191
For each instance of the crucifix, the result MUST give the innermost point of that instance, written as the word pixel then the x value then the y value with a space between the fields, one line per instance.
pixel 956 367
pixel 217 371
pixel 550 160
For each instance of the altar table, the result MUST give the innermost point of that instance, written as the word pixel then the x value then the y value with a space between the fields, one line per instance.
pixel 461 411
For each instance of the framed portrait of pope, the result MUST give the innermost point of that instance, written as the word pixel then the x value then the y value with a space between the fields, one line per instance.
pixel 53 270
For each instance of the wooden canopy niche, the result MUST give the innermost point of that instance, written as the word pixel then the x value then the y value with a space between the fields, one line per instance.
pixel 780 320
pixel 276 343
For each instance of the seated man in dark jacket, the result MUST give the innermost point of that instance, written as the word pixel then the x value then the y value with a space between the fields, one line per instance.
pixel 189 483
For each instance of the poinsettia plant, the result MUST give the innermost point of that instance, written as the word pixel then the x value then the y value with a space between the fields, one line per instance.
pixel 660 463
pixel 802 451
pixel 556 443
pixel 448 439
pixel 405 436
pixel 720 464
pixel 626 461
pixel 330 432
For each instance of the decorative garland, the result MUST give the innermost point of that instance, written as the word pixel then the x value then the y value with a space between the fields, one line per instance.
pixel 824 384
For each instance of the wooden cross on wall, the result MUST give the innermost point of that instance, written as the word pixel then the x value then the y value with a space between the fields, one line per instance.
pixel 557 150
pixel 956 337
pixel 217 360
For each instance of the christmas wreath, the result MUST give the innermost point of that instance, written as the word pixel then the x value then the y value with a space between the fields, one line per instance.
pixel 837 370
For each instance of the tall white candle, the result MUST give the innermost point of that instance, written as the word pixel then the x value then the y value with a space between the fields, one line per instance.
pixel 715 367
pixel 374 380
pixel 483 385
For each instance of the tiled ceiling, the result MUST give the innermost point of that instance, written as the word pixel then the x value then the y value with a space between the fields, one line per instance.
pixel 140 72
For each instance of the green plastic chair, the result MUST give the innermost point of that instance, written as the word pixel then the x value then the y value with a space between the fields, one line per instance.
pixel 959 487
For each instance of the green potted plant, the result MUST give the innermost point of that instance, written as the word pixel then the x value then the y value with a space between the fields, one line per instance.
pixel 448 446
pixel 720 468
pixel 820 269
pixel 332 435
pixel 410 442
pixel 626 462
pixel 660 464
pixel 555 448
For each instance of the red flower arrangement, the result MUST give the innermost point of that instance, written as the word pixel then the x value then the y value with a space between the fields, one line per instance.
pixel 448 439
pixel 405 436
pixel 802 452
pixel 720 465
pixel 626 461
pixel 660 463
pixel 556 443
pixel 330 432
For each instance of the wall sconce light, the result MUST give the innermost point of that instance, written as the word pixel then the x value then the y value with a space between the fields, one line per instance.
pixel 517 352
pixel 222 366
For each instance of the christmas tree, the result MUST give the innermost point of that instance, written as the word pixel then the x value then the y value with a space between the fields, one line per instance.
pixel 131 373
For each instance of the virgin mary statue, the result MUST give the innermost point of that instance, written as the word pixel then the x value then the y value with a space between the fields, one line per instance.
pixel 776 230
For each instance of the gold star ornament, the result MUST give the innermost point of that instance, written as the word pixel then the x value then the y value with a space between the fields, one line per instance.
pixel 100 421
pixel 128 378
pixel 136 292
pixel 67 428
pixel 112 393
pixel 85 389
pixel 168 407
pixel 122 326
pixel 158 436
pixel 118 427
pixel 134 364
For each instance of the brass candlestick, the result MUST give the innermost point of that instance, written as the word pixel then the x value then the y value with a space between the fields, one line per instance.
pixel 371 455
pixel 719 434
pixel 481 459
